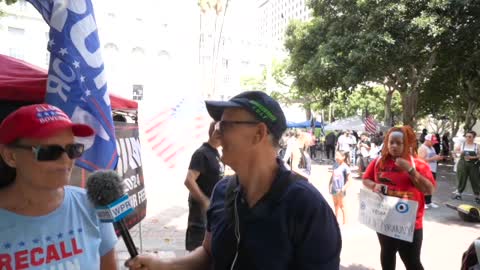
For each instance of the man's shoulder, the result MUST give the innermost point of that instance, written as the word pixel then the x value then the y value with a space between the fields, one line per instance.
pixel 301 192
pixel 201 149
pixel 221 186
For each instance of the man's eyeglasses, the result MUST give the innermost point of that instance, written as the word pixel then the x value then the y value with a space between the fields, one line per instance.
pixel 221 126
pixel 468 136
pixel 54 152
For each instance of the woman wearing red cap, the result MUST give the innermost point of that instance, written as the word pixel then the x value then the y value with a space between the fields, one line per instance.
pixel 44 223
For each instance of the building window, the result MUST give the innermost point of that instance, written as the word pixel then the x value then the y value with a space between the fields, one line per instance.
pixel 137 92
pixel 111 59
pixel 225 63
pixel 17 42
pixel 205 60
pixel 137 51
pixel 164 56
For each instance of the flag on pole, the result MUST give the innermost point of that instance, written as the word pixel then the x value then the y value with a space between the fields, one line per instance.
pixel 174 130
pixel 76 77
pixel 370 124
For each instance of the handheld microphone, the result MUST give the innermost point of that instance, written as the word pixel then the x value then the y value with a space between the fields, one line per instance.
pixel 105 190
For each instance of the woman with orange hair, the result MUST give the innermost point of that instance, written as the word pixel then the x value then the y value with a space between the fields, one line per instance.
pixel 398 172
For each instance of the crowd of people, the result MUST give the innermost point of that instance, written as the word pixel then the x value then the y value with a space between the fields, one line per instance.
pixel 300 147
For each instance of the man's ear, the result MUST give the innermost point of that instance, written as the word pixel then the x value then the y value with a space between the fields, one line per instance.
pixel 262 133
pixel 8 156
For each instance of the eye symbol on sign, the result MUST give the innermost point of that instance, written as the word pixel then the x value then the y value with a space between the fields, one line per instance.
pixel 402 207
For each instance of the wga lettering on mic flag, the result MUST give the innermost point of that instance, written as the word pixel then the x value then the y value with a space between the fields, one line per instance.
pixel 76 76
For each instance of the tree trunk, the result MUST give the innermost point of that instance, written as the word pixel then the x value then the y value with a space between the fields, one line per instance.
pixel 470 118
pixel 456 121
pixel 409 104
pixel 308 111
pixel 387 120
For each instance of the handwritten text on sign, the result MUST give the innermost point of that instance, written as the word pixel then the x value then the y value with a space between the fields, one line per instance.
pixel 388 215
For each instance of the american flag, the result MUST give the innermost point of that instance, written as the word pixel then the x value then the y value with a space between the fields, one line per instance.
pixel 176 129
pixel 370 124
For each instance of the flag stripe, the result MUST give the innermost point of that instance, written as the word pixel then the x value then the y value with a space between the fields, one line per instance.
pixel 175 130
pixel 158 120
pixel 370 124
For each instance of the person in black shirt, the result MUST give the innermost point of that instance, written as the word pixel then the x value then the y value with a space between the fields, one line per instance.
pixel 436 145
pixel 446 144
pixel 330 142
pixel 204 172
pixel 422 136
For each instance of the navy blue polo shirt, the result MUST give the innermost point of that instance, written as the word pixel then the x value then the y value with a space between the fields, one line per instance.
pixel 289 228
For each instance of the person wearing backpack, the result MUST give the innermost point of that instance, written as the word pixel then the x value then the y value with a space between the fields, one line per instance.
pixel 468 167
pixel 339 182
pixel 265 216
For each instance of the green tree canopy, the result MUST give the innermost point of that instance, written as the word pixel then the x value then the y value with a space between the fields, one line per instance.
pixel 363 100
pixel 9 2
pixel 454 89
pixel 353 42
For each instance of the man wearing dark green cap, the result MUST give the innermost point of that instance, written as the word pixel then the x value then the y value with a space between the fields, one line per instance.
pixel 265 216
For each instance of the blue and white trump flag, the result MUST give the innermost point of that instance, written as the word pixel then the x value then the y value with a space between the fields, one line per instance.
pixel 76 77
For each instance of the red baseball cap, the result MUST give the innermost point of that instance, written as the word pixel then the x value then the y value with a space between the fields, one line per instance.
pixel 39 121
pixel 431 137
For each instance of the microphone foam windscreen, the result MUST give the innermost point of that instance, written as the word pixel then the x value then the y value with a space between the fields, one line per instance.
pixel 104 187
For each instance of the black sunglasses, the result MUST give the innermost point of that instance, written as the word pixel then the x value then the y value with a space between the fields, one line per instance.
pixel 54 151
pixel 224 124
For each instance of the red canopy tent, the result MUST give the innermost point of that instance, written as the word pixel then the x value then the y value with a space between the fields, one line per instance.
pixel 23 82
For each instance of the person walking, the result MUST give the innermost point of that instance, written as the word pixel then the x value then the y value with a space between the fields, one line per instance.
pixel 345 143
pixel 364 146
pixel 330 142
pixel 428 154
pixel 446 144
pixel 398 172
pixel 339 182
pixel 468 167
pixel 204 171
pixel 422 135
pixel 265 216
pixel 313 146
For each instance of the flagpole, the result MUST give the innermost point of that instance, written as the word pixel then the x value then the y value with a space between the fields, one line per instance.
pixel 215 56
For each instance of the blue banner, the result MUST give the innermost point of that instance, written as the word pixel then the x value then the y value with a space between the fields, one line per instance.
pixel 76 76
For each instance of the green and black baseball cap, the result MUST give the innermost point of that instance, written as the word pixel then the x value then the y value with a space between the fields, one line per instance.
pixel 262 106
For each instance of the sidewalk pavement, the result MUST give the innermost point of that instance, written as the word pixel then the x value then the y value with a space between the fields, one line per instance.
pixel 446 236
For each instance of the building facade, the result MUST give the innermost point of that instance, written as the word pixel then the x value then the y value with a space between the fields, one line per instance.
pixel 274 17
pixel 153 49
